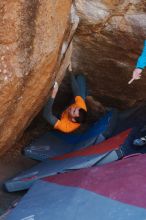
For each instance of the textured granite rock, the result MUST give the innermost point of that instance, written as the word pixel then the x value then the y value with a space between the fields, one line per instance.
pixel 32 34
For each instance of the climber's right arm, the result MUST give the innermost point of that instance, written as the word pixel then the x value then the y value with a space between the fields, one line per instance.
pixel 74 85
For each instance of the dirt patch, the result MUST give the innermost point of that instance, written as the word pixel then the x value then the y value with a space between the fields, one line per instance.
pixel 14 162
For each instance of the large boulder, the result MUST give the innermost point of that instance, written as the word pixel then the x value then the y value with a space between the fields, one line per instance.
pixel 32 53
pixel 107 44
pixel 35 50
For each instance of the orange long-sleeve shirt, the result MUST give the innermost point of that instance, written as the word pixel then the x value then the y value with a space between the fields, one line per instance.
pixel 65 124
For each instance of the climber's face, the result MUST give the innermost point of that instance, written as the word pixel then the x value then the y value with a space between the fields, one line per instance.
pixel 73 113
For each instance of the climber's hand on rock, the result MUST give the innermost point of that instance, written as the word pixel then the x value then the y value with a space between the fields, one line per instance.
pixel 54 90
pixel 70 68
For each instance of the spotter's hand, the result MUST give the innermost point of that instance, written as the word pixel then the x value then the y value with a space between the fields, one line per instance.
pixel 136 75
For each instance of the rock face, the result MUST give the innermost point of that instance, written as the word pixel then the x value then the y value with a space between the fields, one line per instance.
pixel 35 50
pixel 107 44
pixel 32 34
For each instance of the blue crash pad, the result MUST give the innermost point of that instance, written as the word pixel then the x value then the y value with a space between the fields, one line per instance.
pixel 50 167
pixel 56 143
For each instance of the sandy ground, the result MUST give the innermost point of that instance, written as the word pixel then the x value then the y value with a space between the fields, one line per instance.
pixel 8 168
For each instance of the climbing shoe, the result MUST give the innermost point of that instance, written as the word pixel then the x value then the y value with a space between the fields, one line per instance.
pixel 140 141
